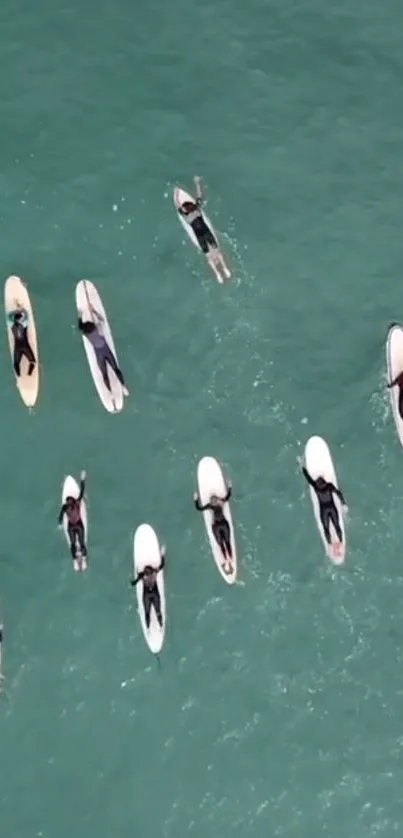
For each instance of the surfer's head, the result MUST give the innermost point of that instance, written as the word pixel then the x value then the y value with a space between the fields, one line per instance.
pixel 214 500
pixel 321 482
pixel 17 316
pixel 148 570
pixel 70 501
pixel 188 206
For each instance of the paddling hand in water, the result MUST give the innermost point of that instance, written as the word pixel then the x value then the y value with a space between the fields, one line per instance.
pixel 75 528
pixel 325 492
pixel 220 526
pixel 18 322
pixel 192 211
pixel 398 381
pixel 103 352
pixel 151 594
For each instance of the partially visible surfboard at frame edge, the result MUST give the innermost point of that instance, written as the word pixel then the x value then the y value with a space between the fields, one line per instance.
pixel 394 365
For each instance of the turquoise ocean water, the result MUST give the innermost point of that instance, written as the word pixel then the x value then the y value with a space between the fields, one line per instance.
pixel 277 710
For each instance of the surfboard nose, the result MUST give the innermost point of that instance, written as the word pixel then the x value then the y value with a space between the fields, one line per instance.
pixel 178 197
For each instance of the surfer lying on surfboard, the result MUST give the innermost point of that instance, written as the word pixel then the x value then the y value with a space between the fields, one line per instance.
pixel 18 322
pixel 191 211
pixel 220 526
pixel 151 594
pixel 399 382
pixel 327 507
pixel 103 352
pixel 75 527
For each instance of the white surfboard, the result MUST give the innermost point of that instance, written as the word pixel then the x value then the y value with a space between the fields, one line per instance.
pixel 180 197
pixel 394 363
pixel 211 481
pixel 88 301
pixel 319 463
pixel 72 489
pixel 147 551
pixel 16 294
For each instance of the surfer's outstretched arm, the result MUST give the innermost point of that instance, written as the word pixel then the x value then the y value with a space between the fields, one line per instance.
pixel 82 485
pixel 61 514
pixel 392 383
pixel 162 562
pixel 198 505
pixel 139 576
pixel 308 477
pixel 229 492
pixel 199 190
pixel 339 494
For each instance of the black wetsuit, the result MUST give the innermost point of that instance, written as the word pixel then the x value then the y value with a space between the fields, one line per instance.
pixel 151 594
pixel 22 347
pixel 103 352
pixel 399 381
pixel 75 527
pixel 220 525
pixel 327 506
pixel 194 217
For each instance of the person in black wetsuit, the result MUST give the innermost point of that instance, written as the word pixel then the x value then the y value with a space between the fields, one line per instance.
pixel 399 382
pixel 191 210
pixel 75 527
pixel 151 594
pixel 220 526
pixel 103 352
pixel 328 512
pixel 18 322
